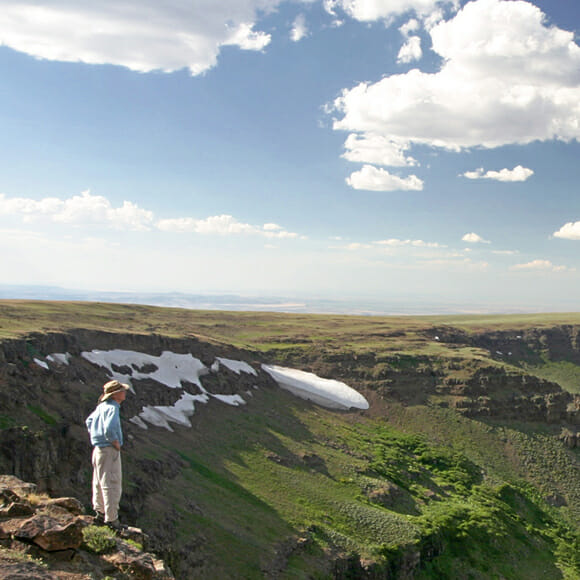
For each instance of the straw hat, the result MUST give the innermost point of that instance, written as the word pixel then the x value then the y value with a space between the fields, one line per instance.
pixel 111 388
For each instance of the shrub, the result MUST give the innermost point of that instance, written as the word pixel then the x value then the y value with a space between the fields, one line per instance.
pixel 99 539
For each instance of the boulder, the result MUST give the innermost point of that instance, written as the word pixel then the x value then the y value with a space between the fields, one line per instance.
pixel 136 565
pixel 15 485
pixel 71 504
pixel 51 536
pixel 16 509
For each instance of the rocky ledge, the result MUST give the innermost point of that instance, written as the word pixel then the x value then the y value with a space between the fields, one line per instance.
pixel 50 538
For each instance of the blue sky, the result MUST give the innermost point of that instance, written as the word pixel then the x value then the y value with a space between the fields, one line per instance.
pixel 416 150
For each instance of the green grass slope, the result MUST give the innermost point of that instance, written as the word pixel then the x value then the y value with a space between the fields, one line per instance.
pixel 283 488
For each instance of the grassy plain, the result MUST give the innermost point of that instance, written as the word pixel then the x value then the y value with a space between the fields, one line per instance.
pixel 256 329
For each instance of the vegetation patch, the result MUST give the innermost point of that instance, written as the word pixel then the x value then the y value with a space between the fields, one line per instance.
pixel 39 412
pixel 99 539
pixel 7 421
pixel 565 373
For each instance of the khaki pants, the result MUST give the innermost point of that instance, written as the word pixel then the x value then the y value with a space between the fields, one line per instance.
pixel 107 478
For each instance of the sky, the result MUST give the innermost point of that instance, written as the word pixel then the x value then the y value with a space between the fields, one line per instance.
pixel 423 151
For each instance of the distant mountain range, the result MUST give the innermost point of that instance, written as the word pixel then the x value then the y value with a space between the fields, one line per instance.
pixel 408 305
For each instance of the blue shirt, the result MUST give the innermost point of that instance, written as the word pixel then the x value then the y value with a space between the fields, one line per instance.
pixel 104 424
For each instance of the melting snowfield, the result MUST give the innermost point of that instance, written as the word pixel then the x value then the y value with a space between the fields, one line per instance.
pixel 325 392
pixel 172 370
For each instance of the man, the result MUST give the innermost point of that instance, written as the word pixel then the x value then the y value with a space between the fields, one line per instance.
pixel 104 425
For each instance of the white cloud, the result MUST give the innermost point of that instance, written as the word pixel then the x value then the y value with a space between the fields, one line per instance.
pixel 245 37
pixel 569 231
pixel 370 10
pixel 473 238
pixel 545 265
pixel 222 225
pixel 518 173
pixel 299 29
pixel 272 227
pixel 394 242
pixel 331 6
pixel 395 246
pixel 410 26
pixel 141 35
pixel 411 50
pixel 374 179
pixel 506 78
pixel 377 150
pixel 354 246
pixel 505 252
pixel 95 210
pixel 79 210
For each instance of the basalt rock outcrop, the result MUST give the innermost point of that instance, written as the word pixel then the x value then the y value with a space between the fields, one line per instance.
pixel 46 538
pixel 504 390
pixel 531 345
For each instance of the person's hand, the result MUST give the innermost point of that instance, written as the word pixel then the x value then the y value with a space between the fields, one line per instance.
pixel 116 445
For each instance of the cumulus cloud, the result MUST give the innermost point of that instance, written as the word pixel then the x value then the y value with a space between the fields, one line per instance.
pixel 370 10
pixel 141 35
pixel 392 246
pixel 299 29
pixel 222 225
pixel 375 179
pixel 411 50
pixel 569 231
pixel 354 246
pixel 518 173
pixel 396 243
pixel 473 238
pixel 150 35
pixel 377 150
pixel 79 210
pixel 95 210
pixel 409 27
pixel 506 78
pixel 245 37
pixel 544 265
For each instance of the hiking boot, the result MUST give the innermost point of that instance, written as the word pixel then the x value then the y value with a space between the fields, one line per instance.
pixel 116 526
pixel 98 519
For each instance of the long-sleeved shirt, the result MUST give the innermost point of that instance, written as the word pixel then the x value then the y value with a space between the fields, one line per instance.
pixel 104 424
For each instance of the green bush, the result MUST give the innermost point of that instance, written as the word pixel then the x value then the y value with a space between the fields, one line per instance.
pixel 99 539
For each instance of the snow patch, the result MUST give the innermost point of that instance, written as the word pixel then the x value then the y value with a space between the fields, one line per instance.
pixel 59 358
pixel 41 363
pixel 237 366
pixel 326 392
pixel 234 400
pixel 139 422
pixel 161 416
pixel 170 370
